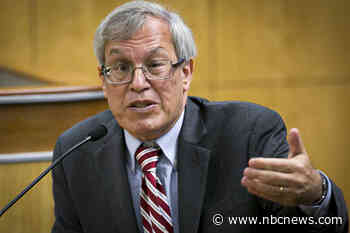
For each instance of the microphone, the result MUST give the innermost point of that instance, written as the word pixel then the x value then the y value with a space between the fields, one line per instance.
pixel 99 132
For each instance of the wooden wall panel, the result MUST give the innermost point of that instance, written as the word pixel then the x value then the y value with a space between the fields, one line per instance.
pixel 259 40
pixel 34 212
pixel 32 128
pixel 16 33
pixel 35 127
pixel 65 31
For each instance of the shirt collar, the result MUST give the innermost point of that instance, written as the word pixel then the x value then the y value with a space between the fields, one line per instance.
pixel 167 142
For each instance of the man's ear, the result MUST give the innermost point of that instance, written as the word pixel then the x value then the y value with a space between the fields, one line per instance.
pixel 103 82
pixel 187 71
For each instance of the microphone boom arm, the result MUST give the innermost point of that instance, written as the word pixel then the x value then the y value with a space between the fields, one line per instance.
pixel 36 180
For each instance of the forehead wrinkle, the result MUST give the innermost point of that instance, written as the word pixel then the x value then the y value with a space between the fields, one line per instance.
pixel 152 51
pixel 143 43
pixel 157 49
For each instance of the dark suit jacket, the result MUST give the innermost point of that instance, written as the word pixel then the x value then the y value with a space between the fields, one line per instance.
pixel 91 189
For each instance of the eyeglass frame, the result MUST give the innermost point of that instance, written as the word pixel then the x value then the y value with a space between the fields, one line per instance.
pixel 106 70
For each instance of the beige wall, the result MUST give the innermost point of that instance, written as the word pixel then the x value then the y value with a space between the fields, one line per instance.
pixel 288 55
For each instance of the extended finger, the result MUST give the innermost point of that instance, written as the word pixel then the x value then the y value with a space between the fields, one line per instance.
pixel 270 177
pixel 254 186
pixel 295 143
pixel 272 164
pixel 268 192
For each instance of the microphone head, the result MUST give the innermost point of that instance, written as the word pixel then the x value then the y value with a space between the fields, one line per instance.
pixel 99 132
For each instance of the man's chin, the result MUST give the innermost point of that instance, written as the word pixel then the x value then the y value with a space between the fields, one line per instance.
pixel 144 130
pixel 147 136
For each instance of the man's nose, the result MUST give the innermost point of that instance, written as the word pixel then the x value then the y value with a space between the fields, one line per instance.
pixel 139 81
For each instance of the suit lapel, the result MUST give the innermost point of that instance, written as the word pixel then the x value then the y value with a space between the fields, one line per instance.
pixel 193 161
pixel 110 165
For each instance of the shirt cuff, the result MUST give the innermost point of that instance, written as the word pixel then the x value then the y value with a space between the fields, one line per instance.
pixel 321 209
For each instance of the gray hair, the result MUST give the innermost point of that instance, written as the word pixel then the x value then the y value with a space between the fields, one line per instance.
pixel 126 19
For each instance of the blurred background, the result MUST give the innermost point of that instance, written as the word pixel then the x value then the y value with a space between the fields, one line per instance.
pixel 291 56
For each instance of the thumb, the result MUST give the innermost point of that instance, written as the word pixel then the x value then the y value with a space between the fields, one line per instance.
pixel 296 145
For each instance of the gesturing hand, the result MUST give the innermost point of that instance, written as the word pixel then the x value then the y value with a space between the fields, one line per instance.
pixel 290 182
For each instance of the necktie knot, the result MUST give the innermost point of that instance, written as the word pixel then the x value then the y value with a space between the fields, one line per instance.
pixel 147 158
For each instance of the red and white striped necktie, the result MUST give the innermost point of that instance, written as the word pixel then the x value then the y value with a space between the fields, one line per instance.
pixel 154 204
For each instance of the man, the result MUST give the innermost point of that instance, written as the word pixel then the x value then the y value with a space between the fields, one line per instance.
pixel 172 163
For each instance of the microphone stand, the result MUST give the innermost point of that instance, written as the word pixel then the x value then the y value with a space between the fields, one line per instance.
pixel 36 180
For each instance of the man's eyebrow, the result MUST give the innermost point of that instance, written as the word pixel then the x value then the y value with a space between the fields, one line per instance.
pixel 155 50
pixel 114 51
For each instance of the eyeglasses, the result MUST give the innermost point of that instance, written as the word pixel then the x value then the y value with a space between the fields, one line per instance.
pixel 123 72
